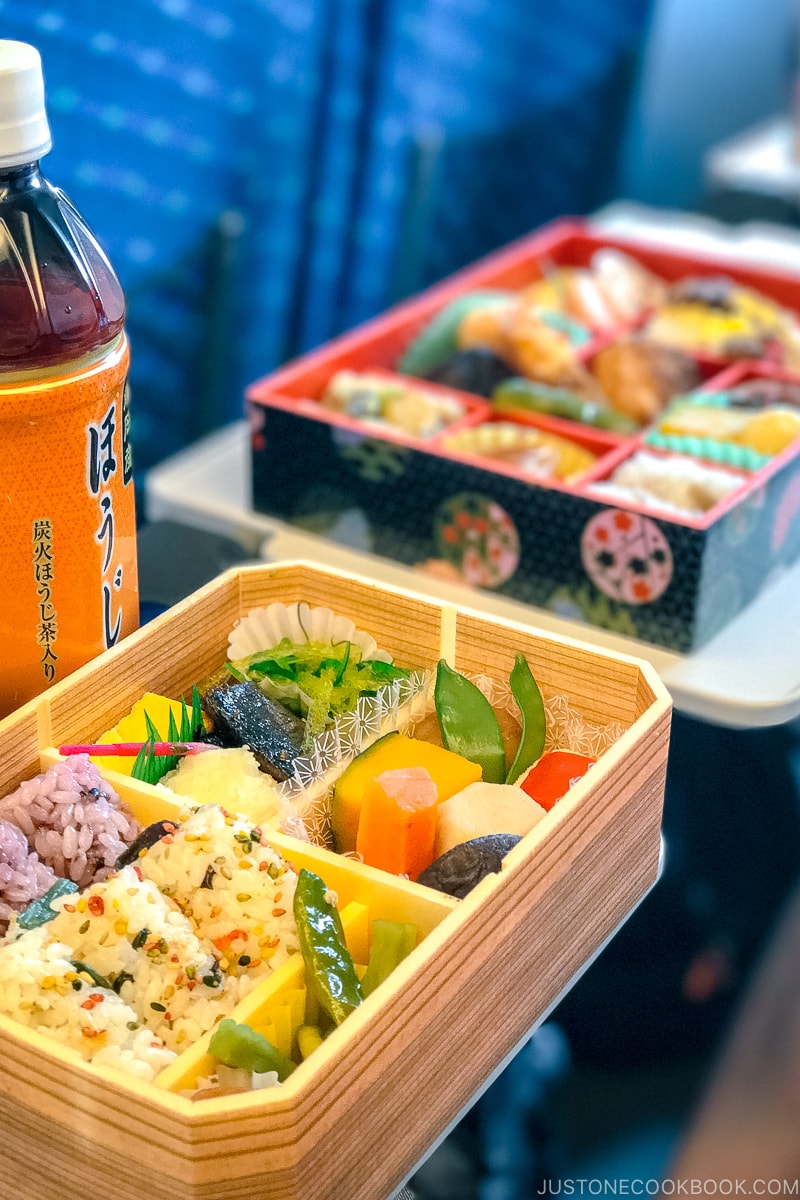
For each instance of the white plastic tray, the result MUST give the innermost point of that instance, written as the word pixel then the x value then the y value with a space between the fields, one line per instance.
pixel 747 677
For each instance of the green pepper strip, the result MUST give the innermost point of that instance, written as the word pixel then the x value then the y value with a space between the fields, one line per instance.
pixel 39 911
pixel 391 942
pixel 468 723
pixel 525 691
pixel 240 1046
pixel 327 960
pixel 514 394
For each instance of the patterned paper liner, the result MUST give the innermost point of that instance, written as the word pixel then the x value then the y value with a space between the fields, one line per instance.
pixel 394 706
pixel 566 727
pixel 402 705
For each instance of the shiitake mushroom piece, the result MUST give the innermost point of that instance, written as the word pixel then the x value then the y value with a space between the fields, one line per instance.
pixel 458 871
pixel 477 371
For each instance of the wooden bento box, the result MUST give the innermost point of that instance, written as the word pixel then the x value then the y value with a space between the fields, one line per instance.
pixel 363 1109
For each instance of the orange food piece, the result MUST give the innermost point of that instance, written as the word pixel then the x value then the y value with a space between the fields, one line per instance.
pixel 397 827
pixel 450 772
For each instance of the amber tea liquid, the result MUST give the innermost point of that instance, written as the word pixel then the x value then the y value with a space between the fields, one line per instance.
pixel 68 580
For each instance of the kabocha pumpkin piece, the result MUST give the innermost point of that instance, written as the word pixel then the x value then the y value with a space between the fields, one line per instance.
pixel 450 772
pixel 397 827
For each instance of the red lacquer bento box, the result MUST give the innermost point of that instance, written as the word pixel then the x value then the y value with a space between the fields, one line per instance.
pixel 454 502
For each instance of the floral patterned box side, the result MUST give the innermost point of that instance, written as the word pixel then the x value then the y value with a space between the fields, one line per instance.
pixel 586 547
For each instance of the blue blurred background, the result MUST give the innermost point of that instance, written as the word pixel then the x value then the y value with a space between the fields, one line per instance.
pixel 266 173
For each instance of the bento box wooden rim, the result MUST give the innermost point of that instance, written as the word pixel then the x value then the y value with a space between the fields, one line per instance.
pixel 233 575
pixel 185 1123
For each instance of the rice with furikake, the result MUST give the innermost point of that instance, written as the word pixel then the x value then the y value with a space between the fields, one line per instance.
pixel 234 887
pixel 136 967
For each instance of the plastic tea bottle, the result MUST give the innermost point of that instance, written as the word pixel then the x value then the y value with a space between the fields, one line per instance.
pixel 68 579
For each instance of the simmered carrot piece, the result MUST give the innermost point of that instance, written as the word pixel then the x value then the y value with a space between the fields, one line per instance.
pixel 397 827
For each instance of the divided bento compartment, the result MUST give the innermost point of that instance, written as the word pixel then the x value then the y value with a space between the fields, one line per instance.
pixel 279 1003
pixel 472 442
pixel 600 441
pixel 701 520
pixel 303 396
pixel 750 370
pixel 282 1002
pixel 331 1128
pixel 758 468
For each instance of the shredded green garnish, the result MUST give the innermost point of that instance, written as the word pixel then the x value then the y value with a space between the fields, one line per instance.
pixel 318 681
pixel 151 768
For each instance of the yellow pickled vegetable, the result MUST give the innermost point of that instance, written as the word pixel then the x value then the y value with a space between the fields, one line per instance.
pixel 771 431
pixel 767 432
pixel 309 1037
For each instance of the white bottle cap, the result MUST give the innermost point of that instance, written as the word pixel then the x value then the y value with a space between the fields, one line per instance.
pixel 24 132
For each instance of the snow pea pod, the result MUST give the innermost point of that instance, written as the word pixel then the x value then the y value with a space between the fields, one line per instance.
pixel 468 723
pixel 525 691
pixel 439 338
pixel 514 394
pixel 238 1045
pixel 328 964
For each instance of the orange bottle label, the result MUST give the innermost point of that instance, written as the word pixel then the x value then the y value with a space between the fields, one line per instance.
pixel 68 583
